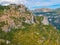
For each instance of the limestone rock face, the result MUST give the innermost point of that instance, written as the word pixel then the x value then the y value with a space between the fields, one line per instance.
pixel 13 16
pixel 45 21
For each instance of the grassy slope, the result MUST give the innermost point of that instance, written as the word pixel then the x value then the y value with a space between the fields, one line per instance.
pixel 36 34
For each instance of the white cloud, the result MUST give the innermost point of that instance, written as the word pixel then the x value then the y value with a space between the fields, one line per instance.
pixel 32 3
pixel 8 0
pixel 13 1
pixel 21 1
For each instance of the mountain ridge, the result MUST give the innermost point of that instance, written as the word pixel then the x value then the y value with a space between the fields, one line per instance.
pixel 53 16
pixel 19 26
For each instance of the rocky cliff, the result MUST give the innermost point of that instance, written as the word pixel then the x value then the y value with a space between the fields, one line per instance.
pixel 13 15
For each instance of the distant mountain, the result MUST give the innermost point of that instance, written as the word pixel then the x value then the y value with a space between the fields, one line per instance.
pixel 42 10
pixel 53 16
pixel 57 10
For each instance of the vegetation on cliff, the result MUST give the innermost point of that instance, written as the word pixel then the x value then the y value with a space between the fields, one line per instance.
pixel 25 29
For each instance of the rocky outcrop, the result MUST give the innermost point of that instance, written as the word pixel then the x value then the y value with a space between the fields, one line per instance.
pixel 14 15
pixel 45 21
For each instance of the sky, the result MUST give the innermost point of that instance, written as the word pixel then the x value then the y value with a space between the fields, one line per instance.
pixel 33 4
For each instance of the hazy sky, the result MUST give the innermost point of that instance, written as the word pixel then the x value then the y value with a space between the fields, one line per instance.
pixel 32 4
